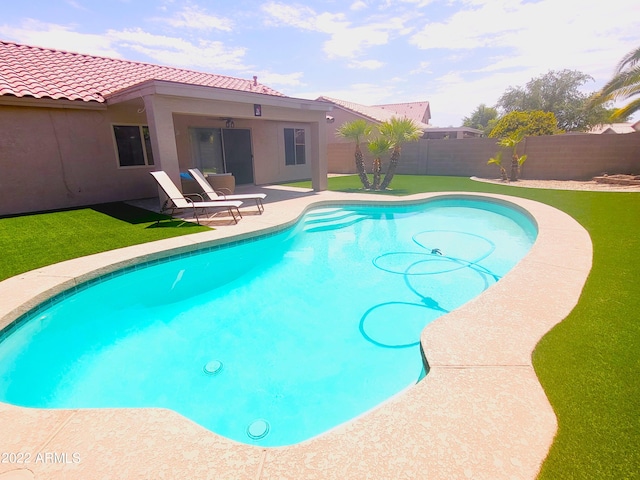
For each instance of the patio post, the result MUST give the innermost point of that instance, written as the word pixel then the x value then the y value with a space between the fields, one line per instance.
pixel 319 166
pixel 163 137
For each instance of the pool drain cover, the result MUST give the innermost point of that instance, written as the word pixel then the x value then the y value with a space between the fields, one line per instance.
pixel 258 429
pixel 213 367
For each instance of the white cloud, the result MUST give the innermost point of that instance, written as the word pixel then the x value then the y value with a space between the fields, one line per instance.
pixel 366 64
pixel 510 42
pixel 208 55
pixel 423 67
pixel 281 79
pixel 59 37
pixel 574 34
pixel 358 5
pixel 196 18
pixel 352 41
pixel 415 3
pixel 302 17
pixel 77 5
pixel 452 96
pixel 175 51
pixel 346 40
pixel 362 93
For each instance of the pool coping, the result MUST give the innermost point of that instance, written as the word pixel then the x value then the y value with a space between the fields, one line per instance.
pixel 479 413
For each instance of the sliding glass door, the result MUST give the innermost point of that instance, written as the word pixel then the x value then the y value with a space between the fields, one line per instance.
pixel 223 150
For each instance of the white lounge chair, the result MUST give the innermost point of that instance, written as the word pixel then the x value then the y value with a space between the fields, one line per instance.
pixel 216 196
pixel 179 201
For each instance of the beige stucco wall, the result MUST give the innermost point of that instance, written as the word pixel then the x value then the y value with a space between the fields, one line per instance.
pixel 267 133
pixel 56 158
pixel 267 145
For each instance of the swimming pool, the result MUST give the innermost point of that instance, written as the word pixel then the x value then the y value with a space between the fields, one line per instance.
pixel 208 337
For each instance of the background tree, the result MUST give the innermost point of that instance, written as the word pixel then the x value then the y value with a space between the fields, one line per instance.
pixel 525 124
pixel 357 130
pixel 397 131
pixel 624 85
pixel 483 118
pixel 557 92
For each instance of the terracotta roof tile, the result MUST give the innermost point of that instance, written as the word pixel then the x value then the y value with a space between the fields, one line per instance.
pixel 416 111
pixel 27 71
pixel 375 113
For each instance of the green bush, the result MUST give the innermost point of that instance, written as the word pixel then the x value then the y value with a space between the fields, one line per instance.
pixel 524 124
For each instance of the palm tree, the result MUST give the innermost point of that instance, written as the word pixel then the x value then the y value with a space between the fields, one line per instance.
pixel 357 130
pixel 377 147
pixel 624 85
pixel 512 141
pixel 497 160
pixel 397 131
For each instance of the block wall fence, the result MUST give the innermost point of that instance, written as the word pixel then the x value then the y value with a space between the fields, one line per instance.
pixel 551 157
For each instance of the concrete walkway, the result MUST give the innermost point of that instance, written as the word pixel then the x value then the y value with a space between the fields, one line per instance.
pixel 480 413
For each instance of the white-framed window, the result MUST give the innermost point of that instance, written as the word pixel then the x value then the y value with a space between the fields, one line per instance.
pixel 294 146
pixel 133 144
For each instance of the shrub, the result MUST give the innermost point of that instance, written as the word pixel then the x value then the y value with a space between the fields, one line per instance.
pixel 523 124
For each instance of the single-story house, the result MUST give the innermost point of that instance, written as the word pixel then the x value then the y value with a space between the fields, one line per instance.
pixel 80 129
pixel 340 150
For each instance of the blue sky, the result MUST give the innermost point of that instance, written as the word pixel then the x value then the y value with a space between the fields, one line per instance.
pixel 454 54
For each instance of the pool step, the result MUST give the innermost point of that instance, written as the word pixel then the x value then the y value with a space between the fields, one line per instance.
pixel 327 215
pixel 332 221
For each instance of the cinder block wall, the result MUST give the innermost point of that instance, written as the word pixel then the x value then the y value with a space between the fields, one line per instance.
pixel 567 157
pixel 553 157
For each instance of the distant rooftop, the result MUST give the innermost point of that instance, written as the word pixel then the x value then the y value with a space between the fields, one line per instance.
pixel 416 111
pixel 27 71
pixel 617 128
pixel 382 113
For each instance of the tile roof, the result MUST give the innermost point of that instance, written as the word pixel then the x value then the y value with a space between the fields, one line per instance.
pixel 27 71
pixel 375 113
pixel 625 127
pixel 416 111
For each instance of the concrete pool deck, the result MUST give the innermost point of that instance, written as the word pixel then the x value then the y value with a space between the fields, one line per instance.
pixel 480 413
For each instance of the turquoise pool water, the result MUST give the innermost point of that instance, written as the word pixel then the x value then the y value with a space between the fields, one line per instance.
pixel 273 341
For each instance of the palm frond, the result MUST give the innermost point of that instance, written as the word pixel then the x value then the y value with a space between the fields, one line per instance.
pixel 497 160
pixel 355 130
pixel 627 110
pixel 400 130
pixel 630 59
pixel 622 85
pixel 379 145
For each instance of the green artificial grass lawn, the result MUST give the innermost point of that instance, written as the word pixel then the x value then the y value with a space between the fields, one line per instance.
pixel 32 241
pixel 589 364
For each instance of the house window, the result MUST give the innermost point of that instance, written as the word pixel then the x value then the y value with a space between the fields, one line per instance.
pixel 294 146
pixel 134 145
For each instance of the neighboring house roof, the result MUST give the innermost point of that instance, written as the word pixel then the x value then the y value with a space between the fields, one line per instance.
pixel 416 111
pixel 374 113
pixel 453 132
pixel 27 71
pixel 616 128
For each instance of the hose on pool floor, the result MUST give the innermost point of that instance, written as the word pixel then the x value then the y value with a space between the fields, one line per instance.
pixel 431 254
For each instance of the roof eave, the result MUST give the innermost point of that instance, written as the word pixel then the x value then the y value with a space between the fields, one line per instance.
pixel 46 102
pixel 184 90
